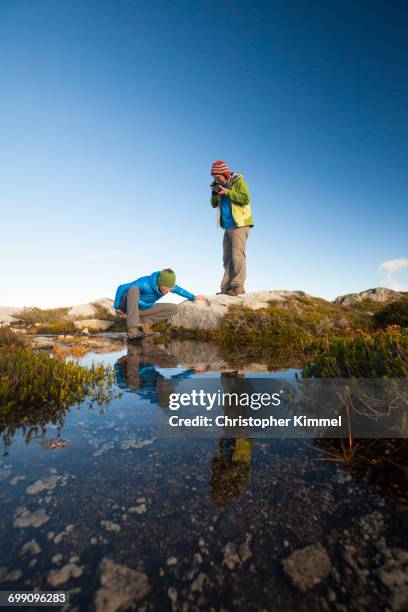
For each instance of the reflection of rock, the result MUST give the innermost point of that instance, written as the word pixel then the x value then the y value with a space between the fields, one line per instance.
pixel 93 324
pixel 56 443
pixel 121 587
pixel 307 566
pixel 379 294
pixel 202 356
pixel 209 314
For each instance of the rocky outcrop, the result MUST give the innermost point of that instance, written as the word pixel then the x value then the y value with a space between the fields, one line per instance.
pixel 379 294
pixel 209 314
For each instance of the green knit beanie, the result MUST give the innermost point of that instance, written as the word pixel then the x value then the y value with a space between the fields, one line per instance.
pixel 167 278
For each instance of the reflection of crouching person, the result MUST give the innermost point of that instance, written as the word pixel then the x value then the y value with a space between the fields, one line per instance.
pixel 137 300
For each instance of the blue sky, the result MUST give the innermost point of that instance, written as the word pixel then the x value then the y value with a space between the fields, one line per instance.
pixel 112 111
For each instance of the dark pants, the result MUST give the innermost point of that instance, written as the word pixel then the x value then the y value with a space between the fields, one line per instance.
pixel 130 305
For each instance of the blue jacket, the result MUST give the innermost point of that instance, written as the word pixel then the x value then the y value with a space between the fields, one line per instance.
pixel 149 291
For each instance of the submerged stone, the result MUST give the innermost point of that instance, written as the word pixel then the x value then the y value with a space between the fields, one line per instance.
pixel 121 587
pixel 25 518
pixel 61 576
pixel 307 566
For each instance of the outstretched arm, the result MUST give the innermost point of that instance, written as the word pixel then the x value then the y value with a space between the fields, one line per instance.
pixel 186 294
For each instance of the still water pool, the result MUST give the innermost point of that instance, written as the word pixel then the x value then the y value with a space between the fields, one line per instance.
pixel 99 505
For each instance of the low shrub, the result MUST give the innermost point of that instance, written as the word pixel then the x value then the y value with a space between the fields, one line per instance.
pixel 37 388
pixel 394 313
pixel 8 337
pixel 382 354
pixel 30 316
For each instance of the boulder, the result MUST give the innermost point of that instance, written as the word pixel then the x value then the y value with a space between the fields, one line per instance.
pixel 90 309
pixel 93 324
pixel 378 294
pixel 209 314
pixel 41 342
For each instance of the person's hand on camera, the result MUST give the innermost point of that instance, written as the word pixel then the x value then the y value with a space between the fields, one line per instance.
pixel 200 298
pixel 221 191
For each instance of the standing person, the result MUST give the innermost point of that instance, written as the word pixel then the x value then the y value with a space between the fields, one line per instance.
pixel 230 195
pixel 137 300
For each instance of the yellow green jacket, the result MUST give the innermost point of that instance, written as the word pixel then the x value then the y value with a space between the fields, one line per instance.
pixel 239 197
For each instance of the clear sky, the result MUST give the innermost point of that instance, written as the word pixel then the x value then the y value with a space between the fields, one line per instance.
pixel 112 111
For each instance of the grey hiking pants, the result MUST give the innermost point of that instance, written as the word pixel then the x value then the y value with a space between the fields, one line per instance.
pixel 234 245
pixel 130 305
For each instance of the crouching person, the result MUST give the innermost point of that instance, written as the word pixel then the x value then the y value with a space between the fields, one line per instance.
pixel 137 301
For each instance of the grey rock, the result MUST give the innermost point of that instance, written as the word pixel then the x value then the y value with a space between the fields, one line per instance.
pixel 307 566
pixel 40 342
pixel 121 587
pixel 204 315
pixel 90 309
pixel 378 294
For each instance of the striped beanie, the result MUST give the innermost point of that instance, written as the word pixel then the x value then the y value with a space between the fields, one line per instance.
pixel 220 167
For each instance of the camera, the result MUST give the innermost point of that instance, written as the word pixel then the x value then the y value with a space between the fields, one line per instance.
pixel 215 187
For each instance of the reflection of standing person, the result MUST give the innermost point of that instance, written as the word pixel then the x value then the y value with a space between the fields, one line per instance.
pixel 230 195
pixel 231 466
pixel 230 469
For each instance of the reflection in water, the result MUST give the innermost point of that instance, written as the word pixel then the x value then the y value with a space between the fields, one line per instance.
pixel 200 524
pixel 231 466
pixel 137 372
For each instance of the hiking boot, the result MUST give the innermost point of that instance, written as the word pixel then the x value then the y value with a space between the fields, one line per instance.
pixel 222 292
pixel 235 291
